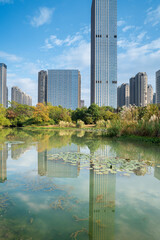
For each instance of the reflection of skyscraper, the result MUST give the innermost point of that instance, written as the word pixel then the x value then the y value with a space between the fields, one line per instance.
pixel 57 168
pixel 102 201
pixel 42 163
pixel 157 172
pixel 102 206
pixel 3 165
pixel 17 150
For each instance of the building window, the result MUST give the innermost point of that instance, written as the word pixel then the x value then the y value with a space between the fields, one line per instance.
pixel 114 82
pixel 115 36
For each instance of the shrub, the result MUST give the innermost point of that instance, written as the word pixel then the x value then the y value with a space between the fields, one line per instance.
pixel 64 124
pixel 113 128
pixel 80 124
pixel 128 128
pixel 101 124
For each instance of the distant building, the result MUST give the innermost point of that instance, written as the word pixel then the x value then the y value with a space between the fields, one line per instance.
pixel 138 90
pixel 20 97
pixel 154 98
pixel 3 84
pixel 104 53
pixel 132 90
pixel 64 88
pixel 158 86
pixel 6 97
pixel 42 86
pixel 82 103
pixel 149 94
pixel 123 95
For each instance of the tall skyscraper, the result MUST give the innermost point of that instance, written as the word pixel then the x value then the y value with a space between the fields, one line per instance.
pixel 123 95
pixel 104 52
pixel 149 94
pixel 138 90
pixel 20 97
pixel 42 86
pixel 64 88
pixel 158 86
pixel 3 84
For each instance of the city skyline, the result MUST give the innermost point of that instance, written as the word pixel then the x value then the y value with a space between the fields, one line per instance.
pixel 67 45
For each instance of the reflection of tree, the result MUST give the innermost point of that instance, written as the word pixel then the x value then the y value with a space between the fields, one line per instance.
pixel 3 163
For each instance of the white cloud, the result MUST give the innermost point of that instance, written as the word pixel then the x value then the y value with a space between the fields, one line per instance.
pixel 43 16
pixel 9 57
pixel 54 41
pixel 120 23
pixel 75 57
pixel 125 29
pixel 153 16
pixel 137 57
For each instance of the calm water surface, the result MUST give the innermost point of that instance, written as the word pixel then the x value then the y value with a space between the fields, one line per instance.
pixel 61 185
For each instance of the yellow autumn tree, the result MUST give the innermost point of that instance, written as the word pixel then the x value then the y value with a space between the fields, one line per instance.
pixel 41 113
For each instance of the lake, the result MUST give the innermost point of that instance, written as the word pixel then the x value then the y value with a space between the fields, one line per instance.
pixel 78 185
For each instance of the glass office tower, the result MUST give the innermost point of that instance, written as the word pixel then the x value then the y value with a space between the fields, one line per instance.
pixel 104 53
pixel 3 85
pixel 64 88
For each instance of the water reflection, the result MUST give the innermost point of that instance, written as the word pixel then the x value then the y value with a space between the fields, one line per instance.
pixel 98 200
pixel 3 162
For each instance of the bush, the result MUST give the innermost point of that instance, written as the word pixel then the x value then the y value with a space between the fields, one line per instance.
pixel 80 124
pixel 128 128
pixel 64 124
pixel 113 128
pixel 101 124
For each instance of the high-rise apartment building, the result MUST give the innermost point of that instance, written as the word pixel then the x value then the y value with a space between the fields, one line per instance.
pixel 3 84
pixel 158 86
pixel 132 90
pixel 104 52
pixel 42 86
pixel 20 97
pixel 123 95
pixel 149 94
pixel 154 98
pixel 138 90
pixel 64 88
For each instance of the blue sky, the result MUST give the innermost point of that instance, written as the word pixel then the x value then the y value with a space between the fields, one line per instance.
pixel 38 34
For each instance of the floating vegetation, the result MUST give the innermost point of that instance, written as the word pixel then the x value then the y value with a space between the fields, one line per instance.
pixel 41 185
pixel 75 234
pixel 102 165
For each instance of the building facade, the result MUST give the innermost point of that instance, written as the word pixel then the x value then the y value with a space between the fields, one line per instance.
pixel 82 103
pixel 20 97
pixel 104 53
pixel 123 95
pixel 154 98
pixel 132 90
pixel 138 89
pixel 3 84
pixel 149 94
pixel 64 88
pixel 42 86
pixel 158 86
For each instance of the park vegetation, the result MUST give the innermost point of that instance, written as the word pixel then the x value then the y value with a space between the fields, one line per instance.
pixel 138 121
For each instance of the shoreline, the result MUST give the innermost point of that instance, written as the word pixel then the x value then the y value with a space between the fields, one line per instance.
pixel 92 128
